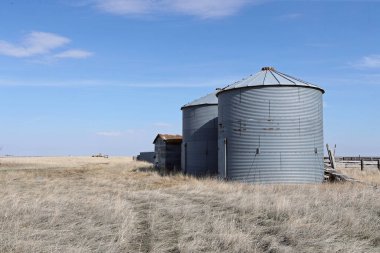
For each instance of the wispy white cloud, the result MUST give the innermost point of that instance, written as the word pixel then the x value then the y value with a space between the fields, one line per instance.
pixel 110 134
pixel 217 83
pixel 199 8
pixel 368 62
pixel 162 124
pixel 122 133
pixel 125 7
pixel 208 8
pixel 355 80
pixel 41 44
pixel 52 83
pixel 291 16
pixel 74 53
pixel 34 43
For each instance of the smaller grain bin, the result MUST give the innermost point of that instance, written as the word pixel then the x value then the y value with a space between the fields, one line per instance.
pixel 271 129
pixel 200 136
pixel 167 148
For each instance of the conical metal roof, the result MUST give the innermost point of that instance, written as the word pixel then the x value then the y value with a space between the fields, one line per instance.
pixel 209 99
pixel 268 76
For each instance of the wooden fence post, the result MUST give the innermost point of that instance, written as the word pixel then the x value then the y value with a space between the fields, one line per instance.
pixel 331 157
pixel 361 164
pixel 378 164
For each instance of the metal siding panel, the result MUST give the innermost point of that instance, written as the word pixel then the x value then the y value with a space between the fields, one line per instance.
pixel 183 157
pixel 283 124
pixel 200 134
pixel 221 158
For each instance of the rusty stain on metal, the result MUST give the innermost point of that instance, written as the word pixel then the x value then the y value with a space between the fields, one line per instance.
pixel 169 138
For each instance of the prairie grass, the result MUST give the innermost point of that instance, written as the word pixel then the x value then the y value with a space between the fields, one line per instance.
pixel 79 204
pixel 370 173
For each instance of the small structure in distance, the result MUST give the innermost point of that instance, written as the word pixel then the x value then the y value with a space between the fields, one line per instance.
pixel 167 149
pixel 146 157
pixel 100 155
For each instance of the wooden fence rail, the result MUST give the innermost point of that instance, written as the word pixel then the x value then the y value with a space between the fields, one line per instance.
pixel 358 159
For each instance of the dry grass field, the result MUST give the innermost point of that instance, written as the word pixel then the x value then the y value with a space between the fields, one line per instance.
pixel 370 174
pixel 119 205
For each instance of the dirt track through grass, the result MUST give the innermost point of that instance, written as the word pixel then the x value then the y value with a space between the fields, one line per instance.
pixel 112 205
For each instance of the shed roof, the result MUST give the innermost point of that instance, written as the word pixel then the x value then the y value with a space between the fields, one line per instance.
pixel 268 76
pixel 209 99
pixel 169 138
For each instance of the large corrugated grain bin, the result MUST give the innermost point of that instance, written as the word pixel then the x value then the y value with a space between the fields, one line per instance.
pixel 200 136
pixel 271 130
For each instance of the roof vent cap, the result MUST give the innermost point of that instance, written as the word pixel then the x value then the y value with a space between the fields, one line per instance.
pixel 267 68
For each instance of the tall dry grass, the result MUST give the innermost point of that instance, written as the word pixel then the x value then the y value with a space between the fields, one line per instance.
pixel 370 173
pixel 118 205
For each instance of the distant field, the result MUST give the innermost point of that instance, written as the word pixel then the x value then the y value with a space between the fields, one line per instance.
pixel 80 204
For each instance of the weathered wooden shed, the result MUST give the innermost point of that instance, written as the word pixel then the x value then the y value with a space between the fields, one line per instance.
pixel 167 148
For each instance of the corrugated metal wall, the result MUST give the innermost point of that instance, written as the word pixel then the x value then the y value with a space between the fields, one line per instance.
pixel 200 140
pixel 173 156
pixel 272 134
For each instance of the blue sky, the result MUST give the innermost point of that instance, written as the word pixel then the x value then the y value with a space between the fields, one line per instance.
pixel 81 77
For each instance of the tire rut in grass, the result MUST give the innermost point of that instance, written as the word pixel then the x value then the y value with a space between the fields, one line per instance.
pixel 141 239
pixel 155 228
